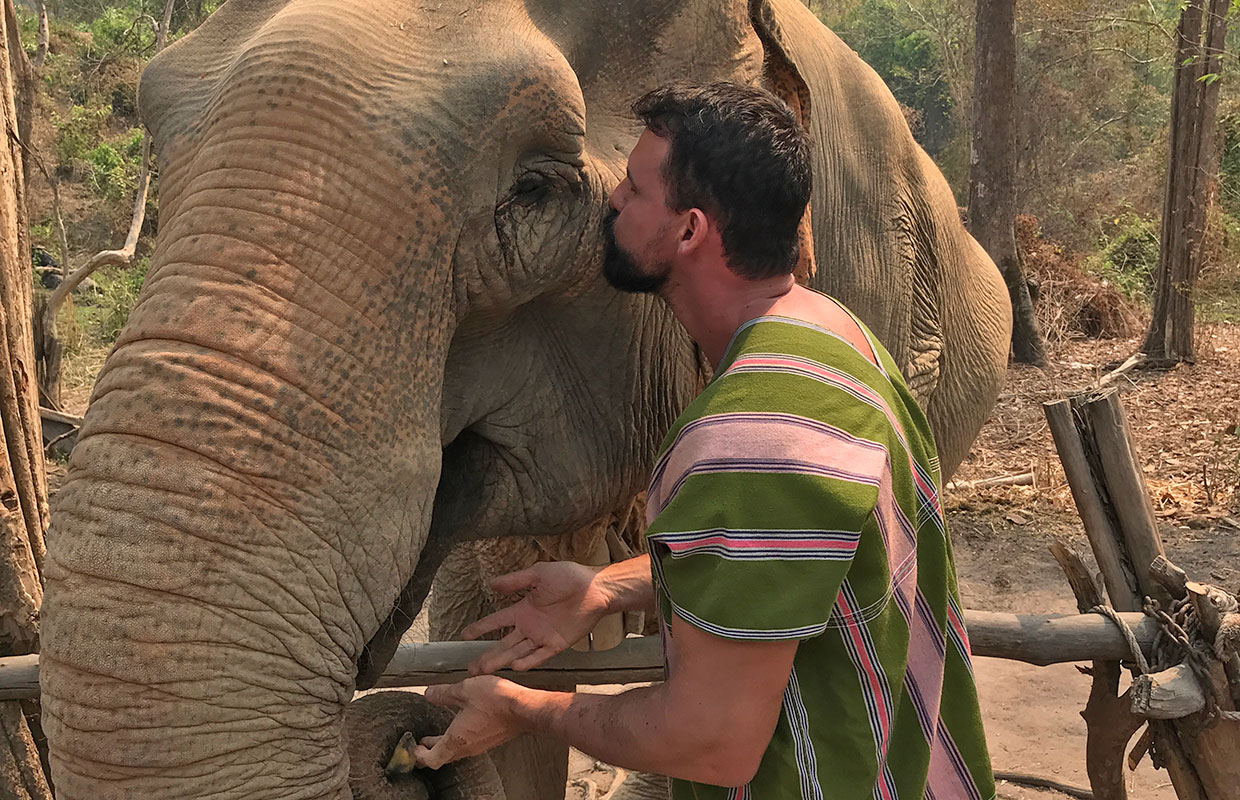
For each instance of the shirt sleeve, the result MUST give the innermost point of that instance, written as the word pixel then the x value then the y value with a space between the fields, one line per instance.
pixel 761 552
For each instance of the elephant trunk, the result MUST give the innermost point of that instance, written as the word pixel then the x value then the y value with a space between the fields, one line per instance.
pixel 373 727
pixel 251 488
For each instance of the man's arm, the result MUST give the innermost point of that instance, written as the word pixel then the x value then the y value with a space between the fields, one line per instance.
pixel 627 585
pixel 710 722
pixel 564 601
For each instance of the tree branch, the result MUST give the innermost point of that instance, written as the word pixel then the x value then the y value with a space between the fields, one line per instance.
pixel 125 254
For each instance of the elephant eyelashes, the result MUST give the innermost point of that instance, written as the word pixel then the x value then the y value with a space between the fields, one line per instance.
pixel 527 191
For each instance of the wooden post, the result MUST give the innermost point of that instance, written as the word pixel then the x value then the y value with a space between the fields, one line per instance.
pixel 1125 487
pixel 1109 488
pixel 1109 721
pixel 1117 573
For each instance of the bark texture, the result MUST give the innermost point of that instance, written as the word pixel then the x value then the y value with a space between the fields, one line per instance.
pixel 1191 178
pixel 23 487
pixel 992 171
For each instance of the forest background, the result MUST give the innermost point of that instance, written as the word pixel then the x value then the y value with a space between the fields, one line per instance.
pixel 1093 103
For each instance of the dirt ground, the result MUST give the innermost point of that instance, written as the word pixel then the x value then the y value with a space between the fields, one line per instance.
pixel 1183 422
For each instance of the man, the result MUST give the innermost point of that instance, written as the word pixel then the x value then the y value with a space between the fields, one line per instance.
pixel 799 561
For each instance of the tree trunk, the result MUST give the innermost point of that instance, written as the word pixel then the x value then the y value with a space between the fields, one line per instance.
pixel 1191 178
pixel 992 176
pixel 23 486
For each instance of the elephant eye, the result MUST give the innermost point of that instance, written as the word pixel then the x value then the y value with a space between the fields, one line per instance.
pixel 528 190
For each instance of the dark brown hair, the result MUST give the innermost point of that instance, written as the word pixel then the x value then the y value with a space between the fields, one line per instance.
pixel 739 154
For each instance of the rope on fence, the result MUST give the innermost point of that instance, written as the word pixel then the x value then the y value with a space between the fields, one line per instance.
pixel 1138 657
pixel 1175 645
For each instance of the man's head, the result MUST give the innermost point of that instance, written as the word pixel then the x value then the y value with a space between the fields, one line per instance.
pixel 724 158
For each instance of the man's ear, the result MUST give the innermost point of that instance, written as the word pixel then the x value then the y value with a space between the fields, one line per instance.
pixel 696 231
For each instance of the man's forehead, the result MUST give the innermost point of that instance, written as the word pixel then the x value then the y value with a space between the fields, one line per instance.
pixel 646 160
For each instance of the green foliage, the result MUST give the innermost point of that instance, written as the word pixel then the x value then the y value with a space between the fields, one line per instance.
pixel 1128 255
pixel 909 58
pixel 121 30
pixel 109 164
pixel 1229 163
pixel 114 166
pixel 28 28
pixel 104 313
pixel 107 172
pixel 78 133
pixel 43 234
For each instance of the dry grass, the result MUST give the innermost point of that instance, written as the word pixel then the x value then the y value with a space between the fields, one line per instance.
pixel 1072 303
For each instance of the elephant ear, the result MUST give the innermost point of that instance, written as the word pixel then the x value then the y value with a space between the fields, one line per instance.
pixel 781 77
pixel 884 213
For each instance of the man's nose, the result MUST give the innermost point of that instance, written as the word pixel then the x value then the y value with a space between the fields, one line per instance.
pixel 616 199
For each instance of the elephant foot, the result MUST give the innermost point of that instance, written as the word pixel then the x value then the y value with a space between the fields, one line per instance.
pixel 380 732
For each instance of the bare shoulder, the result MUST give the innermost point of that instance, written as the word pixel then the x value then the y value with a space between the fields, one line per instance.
pixel 825 312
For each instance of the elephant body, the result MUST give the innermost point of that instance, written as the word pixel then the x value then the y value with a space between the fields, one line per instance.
pixel 375 327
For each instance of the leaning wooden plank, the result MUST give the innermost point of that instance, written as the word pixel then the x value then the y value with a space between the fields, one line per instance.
pixel 59 430
pixel 1125 485
pixel 1121 583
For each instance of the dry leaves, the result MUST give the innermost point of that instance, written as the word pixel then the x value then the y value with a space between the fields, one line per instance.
pixel 1185 423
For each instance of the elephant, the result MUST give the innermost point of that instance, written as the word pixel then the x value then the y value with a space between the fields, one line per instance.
pixel 373 727
pixel 375 326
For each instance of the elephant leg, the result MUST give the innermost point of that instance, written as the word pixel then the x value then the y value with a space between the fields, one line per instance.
pixel 641 786
pixel 458 595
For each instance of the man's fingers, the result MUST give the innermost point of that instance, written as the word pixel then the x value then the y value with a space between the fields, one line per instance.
pixel 446 695
pixel 498 656
pixel 534 659
pixel 514 582
pixel 504 618
pixel 507 658
pixel 431 752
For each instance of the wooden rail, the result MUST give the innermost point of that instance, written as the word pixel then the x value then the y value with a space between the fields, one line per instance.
pixel 1035 639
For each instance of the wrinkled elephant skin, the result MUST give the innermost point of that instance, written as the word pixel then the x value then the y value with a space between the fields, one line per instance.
pixel 374 325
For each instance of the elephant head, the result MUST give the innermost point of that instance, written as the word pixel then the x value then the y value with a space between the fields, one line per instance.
pixel 375 325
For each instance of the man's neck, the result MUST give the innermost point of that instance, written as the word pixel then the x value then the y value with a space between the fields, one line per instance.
pixel 712 308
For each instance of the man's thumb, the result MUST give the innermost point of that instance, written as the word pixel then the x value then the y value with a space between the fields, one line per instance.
pixel 429 754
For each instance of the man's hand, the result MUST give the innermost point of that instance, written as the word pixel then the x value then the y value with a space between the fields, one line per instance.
pixel 563 604
pixel 485 718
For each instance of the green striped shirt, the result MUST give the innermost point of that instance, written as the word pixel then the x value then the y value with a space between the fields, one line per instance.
pixel 797 498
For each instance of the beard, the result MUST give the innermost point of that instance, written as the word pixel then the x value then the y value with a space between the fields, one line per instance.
pixel 621 269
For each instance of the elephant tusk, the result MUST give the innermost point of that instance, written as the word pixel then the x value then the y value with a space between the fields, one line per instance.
pixel 402 761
